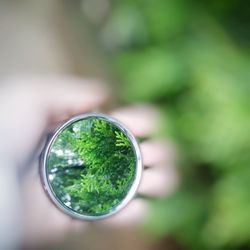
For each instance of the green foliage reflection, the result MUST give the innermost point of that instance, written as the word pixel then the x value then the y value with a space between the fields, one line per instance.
pixel 91 166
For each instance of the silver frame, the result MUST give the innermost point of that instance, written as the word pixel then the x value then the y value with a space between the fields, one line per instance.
pixel 131 193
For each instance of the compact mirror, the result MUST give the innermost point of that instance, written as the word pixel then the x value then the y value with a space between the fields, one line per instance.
pixel 91 167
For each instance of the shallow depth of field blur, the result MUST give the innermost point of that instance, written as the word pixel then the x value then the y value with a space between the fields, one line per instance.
pixel 189 58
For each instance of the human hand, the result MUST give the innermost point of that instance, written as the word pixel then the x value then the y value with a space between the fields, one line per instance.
pixel 36 105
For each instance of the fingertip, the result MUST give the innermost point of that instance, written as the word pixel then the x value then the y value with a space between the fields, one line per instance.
pixel 143 120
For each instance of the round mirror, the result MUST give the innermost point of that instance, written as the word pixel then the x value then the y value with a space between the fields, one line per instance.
pixel 91 167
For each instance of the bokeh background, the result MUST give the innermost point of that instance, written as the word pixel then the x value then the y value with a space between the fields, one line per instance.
pixel 189 58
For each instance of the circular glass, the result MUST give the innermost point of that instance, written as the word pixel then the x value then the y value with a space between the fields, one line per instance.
pixel 91 166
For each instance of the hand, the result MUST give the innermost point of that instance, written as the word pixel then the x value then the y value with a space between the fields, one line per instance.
pixel 36 105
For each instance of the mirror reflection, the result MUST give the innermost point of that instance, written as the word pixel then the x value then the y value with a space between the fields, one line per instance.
pixel 91 166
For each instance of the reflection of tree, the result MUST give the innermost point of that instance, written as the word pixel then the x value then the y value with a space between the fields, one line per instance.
pixel 91 166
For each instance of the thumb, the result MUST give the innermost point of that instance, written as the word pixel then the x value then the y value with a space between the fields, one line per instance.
pixel 28 105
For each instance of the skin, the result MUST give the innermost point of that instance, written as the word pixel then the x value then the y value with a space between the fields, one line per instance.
pixel 30 107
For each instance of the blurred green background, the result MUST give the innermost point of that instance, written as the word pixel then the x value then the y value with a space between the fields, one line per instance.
pixel 191 59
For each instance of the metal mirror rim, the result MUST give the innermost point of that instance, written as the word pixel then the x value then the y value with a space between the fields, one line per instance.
pixel 48 189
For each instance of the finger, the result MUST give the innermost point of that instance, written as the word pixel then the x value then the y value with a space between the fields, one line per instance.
pixel 156 152
pixel 71 99
pixel 159 182
pixel 142 120
pixel 131 215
